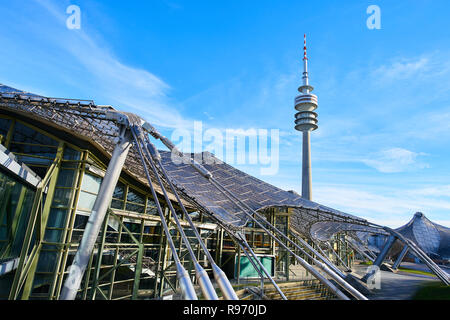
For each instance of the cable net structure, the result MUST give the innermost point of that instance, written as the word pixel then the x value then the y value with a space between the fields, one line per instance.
pixel 230 197
pixel 100 125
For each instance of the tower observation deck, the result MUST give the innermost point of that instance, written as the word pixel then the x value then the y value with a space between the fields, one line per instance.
pixel 306 121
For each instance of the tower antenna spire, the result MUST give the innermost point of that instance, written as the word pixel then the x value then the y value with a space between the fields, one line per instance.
pixel 304 47
pixel 306 88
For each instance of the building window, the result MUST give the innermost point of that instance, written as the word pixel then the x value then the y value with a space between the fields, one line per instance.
pixel 16 202
pixel 135 201
pixel 89 190
pixel 4 128
pixel 71 154
pixel 118 196
pixel 151 207
pixel 25 134
pixel 33 148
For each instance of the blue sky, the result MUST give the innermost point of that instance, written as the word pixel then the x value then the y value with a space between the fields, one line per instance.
pixel 383 144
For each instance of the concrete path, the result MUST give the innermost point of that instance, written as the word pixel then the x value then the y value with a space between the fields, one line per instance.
pixel 395 286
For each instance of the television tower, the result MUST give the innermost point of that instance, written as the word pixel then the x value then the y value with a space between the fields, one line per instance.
pixel 306 121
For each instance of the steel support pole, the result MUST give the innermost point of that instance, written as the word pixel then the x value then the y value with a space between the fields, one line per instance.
pixel 187 288
pixel 389 242
pixel 415 249
pixel 327 270
pixel 202 276
pixel 238 275
pixel 337 256
pixel 379 260
pixel 240 204
pixel 362 253
pixel 257 269
pixel 371 253
pixel 98 263
pixel 263 269
pixel 97 216
pixel 219 275
pixel 343 244
pixel 321 255
pixel 137 271
pixel 400 257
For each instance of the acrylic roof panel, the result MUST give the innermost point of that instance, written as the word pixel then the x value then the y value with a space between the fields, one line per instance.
pixel 255 193
pixel 444 246
pixel 324 230
pixel 86 120
pixel 4 89
pixel 81 118
pixel 433 238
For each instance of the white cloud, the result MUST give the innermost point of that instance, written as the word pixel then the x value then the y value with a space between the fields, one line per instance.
pixel 434 191
pixel 125 87
pixel 387 206
pixel 402 69
pixel 395 160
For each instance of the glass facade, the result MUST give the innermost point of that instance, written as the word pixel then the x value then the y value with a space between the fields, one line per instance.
pixel 15 207
pixel 89 190
pixel 135 201
pixel 32 147
pixel 4 127
pixel 66 204
pixel 73 178
pixel 16 201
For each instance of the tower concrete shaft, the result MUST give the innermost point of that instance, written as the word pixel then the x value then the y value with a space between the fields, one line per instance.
pixel 306 167
pixel 306 121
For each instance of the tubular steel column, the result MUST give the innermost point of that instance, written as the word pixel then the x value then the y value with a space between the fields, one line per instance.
pixel 97 216
pixel 390 241
pixel 400 257
pixel 362 253
pixel 338 258
pixel 379 260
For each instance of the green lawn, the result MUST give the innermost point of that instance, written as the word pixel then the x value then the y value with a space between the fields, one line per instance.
pixel 433 291
pixel 426 273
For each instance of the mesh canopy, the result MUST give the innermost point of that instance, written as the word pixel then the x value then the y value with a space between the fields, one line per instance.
pixel 257 194
pixel 324 230
pixel 85 120
pixel 431 237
